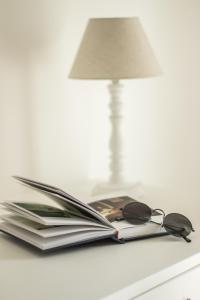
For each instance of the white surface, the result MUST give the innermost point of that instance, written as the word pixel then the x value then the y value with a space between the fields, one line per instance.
pixel 183 287
pixel 103 270
pixel 107 188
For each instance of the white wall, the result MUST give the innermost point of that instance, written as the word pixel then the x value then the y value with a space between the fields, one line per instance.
pixel 56 129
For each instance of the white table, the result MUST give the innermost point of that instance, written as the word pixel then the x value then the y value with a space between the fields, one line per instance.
pixel 103 270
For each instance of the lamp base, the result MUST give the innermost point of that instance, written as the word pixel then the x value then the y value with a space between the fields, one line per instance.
pixel 109 189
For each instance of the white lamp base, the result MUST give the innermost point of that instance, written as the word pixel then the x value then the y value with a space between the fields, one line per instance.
pixel 116 182
pixel 105 188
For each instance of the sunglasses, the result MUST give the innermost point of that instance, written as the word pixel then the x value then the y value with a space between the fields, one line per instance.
pixel 138 213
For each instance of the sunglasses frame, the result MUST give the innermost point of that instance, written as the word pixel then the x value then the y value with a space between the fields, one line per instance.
pixel 171 229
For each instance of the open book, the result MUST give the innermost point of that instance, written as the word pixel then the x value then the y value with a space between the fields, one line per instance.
pixel 71 221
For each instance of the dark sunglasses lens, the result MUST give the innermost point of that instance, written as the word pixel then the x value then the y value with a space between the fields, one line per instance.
pixel 177 224
pixel 136 213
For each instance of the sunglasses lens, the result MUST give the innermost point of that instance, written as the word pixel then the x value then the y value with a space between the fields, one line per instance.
pixel 177 224
pixel 136 213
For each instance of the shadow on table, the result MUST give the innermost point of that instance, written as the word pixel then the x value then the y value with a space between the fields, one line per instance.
pixel 13 248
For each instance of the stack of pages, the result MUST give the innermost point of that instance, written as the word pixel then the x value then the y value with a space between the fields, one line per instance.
pixel 71 221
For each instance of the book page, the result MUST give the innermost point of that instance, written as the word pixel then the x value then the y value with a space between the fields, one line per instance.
pixel 56 241
pixel 65 199
pixel 57 219
pixel 46 231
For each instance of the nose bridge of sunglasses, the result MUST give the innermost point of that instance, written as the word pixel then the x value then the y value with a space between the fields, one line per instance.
pixel 159 210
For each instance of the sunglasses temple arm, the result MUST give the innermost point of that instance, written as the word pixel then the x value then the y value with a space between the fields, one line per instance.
pixel 179 231
pixel 186 238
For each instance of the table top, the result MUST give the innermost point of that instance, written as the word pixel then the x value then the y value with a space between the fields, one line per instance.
pixel 102 270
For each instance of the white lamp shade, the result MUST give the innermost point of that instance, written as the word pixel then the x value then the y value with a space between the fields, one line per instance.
pixel 114 48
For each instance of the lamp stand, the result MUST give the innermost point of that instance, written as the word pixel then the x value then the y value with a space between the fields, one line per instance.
pixel 116 180
pixel 116 143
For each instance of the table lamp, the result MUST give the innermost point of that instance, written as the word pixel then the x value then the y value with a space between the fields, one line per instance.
pixel 114 49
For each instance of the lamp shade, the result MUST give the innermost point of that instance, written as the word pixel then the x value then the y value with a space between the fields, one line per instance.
pixel 114 48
